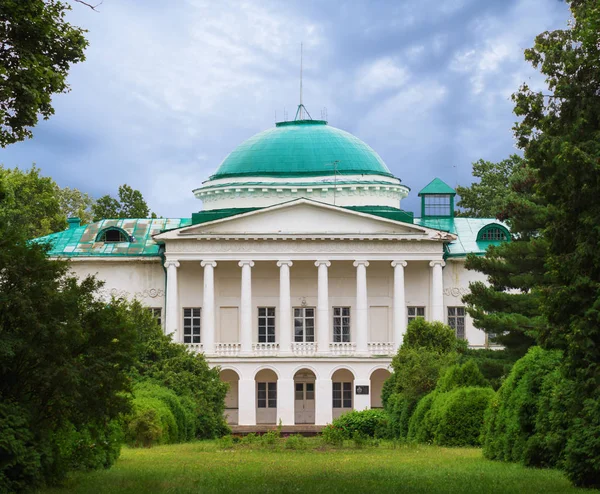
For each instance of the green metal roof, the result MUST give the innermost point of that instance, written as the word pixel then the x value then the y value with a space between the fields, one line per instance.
pixel 80 241
pixel 437 186
pixel 301 148
pixel 465 229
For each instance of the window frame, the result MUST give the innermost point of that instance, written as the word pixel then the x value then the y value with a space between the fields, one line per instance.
pixel 123 235
pixel 417 309
pixel 342 396
pixel 345 321
pixel 266 325
pixel 156 313
pixel 305 337
pixel 453 320
pixel 267 396
pixel 195 325
pixel 438 205
pixel 483 232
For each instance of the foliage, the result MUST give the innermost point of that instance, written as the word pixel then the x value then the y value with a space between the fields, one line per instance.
pixel 461 375
pixel 333 435
pixel 29 203
pixel 525 420
pixel 367 422
pixel 159 416
pixel 486 198
pixel 56 335
pixel 400 409
pixel 130 204
pixel 187 374
pixel 296 441
pixel 434 336
pixel 37 50
pixel 75 204
pixel 494 365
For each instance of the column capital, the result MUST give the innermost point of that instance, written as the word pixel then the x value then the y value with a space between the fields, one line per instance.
pixel 171 262
pixel 399 263
pixel 246 263
pixel 322 262
pixel 361 263
pixel 285 263
pixel 208 263
pixel 436 262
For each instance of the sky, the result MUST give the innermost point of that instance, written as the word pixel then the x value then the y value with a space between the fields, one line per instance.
pixel 168 89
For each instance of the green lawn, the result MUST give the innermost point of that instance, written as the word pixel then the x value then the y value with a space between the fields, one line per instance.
pixel 207 467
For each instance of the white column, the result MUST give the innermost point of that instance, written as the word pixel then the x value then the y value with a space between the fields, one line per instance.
pixel 285 309
pixel 323 337
pixel 172 307
pixel 324 402
pixel 246 308
pixel 208 307
pixel 437 290
pixel 247 402
pixel 362 308
pixel 362 402
pixel 399 303
pixel 285 401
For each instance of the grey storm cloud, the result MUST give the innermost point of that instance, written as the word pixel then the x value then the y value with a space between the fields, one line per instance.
pixel 170 88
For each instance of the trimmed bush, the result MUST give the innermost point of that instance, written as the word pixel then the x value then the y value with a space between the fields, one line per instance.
pixel 527 419
pixel 461 376
pixel 369 423
pixel 400 409
pixel 495 365
pixel 417 431
pixel 159 417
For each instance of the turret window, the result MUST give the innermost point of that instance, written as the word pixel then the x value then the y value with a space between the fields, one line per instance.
pixel 493 233
pixel 438 205
pixel 113 235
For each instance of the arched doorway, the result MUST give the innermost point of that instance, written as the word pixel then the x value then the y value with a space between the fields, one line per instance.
pixel 304 397
pixel 232 397
pixel 378 377
pixel 343 392
pixel 266 397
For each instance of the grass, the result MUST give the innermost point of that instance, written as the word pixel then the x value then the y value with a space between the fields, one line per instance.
pixel 217 466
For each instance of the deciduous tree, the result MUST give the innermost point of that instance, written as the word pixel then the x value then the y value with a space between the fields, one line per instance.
pixel 130 204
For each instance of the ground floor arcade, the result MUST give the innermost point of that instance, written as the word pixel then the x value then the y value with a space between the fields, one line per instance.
pixel 301 392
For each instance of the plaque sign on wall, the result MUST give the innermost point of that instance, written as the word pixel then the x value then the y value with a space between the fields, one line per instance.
pixel 362 390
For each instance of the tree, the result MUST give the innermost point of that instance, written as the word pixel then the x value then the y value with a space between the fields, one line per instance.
pixel 30 202
pixel 130 204
pixel 486 198
pixel 37 49
pixel 560 135
pixel 74 203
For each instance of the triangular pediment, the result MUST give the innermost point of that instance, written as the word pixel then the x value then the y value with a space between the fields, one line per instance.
pixel 304 217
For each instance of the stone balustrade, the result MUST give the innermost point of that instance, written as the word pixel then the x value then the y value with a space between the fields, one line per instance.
pixel 265 349
pixel 304 349
pixel 386 348
pixel 227 349
pixel 342 348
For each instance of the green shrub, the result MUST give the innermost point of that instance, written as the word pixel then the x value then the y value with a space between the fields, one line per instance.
pixel 144 428
pixel 368 422
pixel 418 430
pixel 359 439
pixel 389 388
pixel 495 365
pixel 333 435
pixel 269 438
pixel 514 416
pixel 461 376
pixel 400 408
pixel 251 438
pixel 434 336
pixel 226 442
pixel 456 417
pixel 295 441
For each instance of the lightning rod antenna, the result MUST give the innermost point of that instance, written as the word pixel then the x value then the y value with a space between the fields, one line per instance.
pixel 301 106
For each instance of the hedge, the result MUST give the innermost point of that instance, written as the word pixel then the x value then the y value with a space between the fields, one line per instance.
pixel 371 423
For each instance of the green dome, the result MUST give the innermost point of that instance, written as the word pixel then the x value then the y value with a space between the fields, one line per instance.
pixel 301 148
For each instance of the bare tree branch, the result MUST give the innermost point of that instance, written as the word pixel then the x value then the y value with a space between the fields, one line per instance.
pixel 93 7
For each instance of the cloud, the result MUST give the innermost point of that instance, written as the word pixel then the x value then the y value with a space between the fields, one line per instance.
pixel 382 74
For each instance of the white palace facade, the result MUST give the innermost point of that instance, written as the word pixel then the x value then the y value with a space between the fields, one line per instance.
pixel 300 274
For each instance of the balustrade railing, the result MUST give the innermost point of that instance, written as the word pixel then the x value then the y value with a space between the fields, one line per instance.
pixel 227 349
pixel 195 347
pixel 346 348
pixel 265 349
pixel 381 348
pixel 304 349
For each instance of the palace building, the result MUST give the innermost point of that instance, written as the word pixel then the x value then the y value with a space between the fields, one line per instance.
pixel 299 275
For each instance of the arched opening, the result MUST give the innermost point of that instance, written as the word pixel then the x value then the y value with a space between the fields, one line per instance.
pixel 304 397
pixel 113 234
pixel 343 392
pixel 266 397
pixel 232 397
pixel 378 377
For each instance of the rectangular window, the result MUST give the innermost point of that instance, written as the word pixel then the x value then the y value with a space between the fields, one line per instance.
pixel 310 391
pixel 304 324
pixel 266 324
pixel 437 205
pixel 191 325
pixel 342 395
pixel 157 314
pixel 414 312
pixel 456 320
pixel 341 324
pixel 299 391
pixel 266 395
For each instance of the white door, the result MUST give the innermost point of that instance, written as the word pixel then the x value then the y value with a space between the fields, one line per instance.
pixel 266 402
pixel 304 403
pixel 342 398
